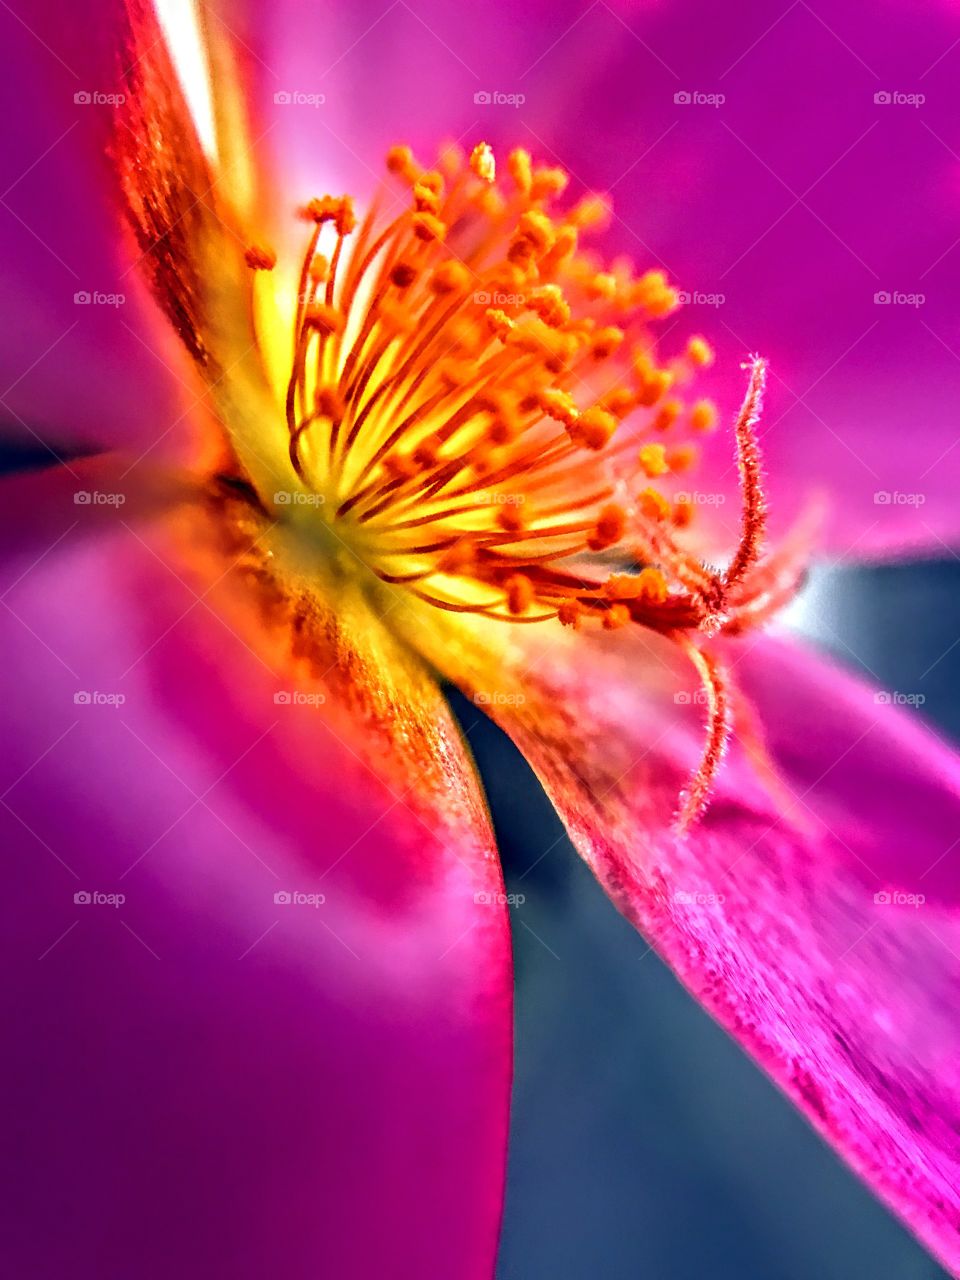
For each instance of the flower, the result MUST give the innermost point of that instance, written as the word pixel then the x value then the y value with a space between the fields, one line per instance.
pixel 769 897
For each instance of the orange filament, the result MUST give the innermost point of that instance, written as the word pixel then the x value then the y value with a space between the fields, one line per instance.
pixel 474 399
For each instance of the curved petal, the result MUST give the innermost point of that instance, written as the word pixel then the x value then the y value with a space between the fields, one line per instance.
pixel 287 1050
pixel 83 360
pixel 819 924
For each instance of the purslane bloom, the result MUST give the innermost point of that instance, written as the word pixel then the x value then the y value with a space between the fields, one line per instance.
pixel 443 445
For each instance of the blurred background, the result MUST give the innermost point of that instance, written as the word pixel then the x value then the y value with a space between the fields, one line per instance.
pixel 643 1141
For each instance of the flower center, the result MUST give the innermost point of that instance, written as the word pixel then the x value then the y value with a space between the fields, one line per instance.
pixel 481 413
pixel 477 411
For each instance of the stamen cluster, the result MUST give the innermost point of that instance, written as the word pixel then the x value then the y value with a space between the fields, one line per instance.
pixel 482 406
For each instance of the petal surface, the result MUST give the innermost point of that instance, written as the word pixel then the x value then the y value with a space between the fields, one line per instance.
pixel 777 212
pixel 84 360
pixel 820 925
pixel 286 1049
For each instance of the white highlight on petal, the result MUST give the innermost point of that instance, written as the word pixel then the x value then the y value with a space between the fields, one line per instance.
pixel 180 22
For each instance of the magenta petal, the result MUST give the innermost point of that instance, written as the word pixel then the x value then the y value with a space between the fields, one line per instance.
pixel 209 1079
pixel 72 369
pixel 822 926
pixel 805 220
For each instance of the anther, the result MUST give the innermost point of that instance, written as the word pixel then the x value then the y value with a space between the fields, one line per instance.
pixel 483 163
pixel 653 460
pixel 519 591
pixel 653 505
pixel 699 351
pixel 610 528
pixel 259 258
pixel 593 428
pixel 703 415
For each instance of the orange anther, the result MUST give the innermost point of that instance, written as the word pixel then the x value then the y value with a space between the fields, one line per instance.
pixel 653 461
pixel 425 198
pixel 606 342
pixel 547 183
pixel 703 415
pixel 699 351
pixel 667 415
pixel 682 512
pixel 550 305
pixel 510 518
pixel 483 163
pixel 519 591
pixel 593 428
pixel 450 277
pixel 653 505
pixel 620 401
pixel 427 227
pixel 617 616
pixel 401 162
pixel 323 318
pixel 403 275
pixel 259 258
pixel 653 585
pixel 570 613
pixel 520 169
pixel 591 211
pixel 653 387
pixel 610 528
pixel 682 458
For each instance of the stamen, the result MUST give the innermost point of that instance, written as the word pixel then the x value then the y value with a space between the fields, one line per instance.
pixel 260 258
pixel 482 162
pixel 477 402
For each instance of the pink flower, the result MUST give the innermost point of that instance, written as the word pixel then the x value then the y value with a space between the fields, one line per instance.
pixel 264 1023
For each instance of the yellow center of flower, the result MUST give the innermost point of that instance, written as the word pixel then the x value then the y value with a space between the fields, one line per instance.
pixel 480 411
